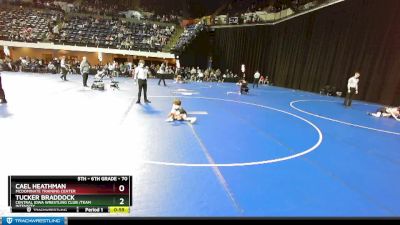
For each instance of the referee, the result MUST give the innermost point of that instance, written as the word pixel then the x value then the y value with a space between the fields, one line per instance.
pixel 352 88
pixel 161 73
pixel 256 79
pixel 141 77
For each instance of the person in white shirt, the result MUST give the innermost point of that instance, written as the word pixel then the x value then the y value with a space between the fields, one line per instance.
pixel 352 88
pixel 256 78
pixel 200 75
pixel 141 77
pixel 130 68
pixel 193 74
pixel 23 61
pixel 111 67
pixel 51 67
pixel 64 70
pixel 114 71
pixel 193 71
pixel 84 69
pixel 161 72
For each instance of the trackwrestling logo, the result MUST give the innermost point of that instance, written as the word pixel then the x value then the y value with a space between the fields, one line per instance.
pixel 33 220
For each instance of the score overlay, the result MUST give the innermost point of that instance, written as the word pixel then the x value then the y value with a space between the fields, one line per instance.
pixel 70 194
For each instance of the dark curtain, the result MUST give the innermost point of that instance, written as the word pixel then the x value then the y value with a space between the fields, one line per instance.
pixel 197 52
pixel 324 47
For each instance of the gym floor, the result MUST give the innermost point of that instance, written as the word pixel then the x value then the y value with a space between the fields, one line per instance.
pixel 275 152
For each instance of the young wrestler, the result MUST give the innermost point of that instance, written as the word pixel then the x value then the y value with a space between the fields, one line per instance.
pixel 244 89
pixel 388 112
pixel 178 113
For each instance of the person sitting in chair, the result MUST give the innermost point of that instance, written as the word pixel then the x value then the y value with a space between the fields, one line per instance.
pixel 261 80
pixel 266 80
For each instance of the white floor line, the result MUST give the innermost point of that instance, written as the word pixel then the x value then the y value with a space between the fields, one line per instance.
pixel 198 113
pixel 335 120
pixel 217 171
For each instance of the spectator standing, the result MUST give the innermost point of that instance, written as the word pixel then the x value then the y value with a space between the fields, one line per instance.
pixel 64 70
pixel 256 79
pixel 84 69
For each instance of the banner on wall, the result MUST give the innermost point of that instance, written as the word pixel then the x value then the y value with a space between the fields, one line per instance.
pixel 188 22
pixel 233 20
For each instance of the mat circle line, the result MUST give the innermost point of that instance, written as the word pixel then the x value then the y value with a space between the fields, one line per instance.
pixel 255 163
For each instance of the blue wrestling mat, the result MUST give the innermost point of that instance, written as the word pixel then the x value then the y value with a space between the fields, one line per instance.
pixel 275 152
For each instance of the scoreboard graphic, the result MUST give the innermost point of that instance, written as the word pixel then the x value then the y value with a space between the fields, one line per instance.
pixel 70 194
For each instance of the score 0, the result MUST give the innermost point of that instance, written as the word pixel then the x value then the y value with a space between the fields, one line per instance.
pixel 121 188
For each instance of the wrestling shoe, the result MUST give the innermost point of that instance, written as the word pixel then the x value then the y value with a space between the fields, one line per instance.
pixel 192 120
pixel 375 115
